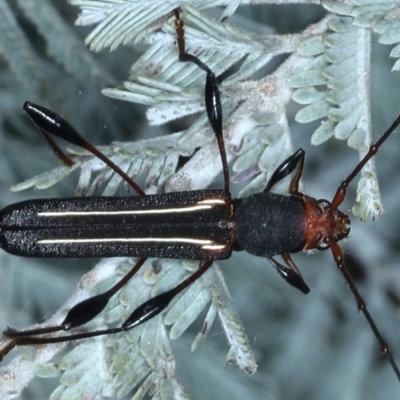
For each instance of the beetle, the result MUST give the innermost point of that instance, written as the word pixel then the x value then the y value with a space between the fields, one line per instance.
pixel 206 225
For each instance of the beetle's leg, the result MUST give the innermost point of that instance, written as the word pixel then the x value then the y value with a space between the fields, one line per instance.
pixel 296 160
pixel 288 260
pixel 212 96
pixel 143 313
pixel 290 276
pixel 82 312
pixel 50 123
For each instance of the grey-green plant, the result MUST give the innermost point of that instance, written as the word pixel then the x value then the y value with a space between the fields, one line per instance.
pixel 324 73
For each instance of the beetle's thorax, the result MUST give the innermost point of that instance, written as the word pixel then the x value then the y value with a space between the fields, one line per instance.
pixel 324 224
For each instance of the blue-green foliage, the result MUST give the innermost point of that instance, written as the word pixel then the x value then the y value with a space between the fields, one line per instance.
pixel 325 69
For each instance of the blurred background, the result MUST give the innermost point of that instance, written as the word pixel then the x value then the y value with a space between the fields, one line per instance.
pixel 307 347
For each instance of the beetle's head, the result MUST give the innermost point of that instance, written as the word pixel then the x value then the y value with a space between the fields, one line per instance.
pixel 324 224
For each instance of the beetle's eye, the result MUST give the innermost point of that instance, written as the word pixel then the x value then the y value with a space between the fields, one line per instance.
pixel 324 203
pixel 323 245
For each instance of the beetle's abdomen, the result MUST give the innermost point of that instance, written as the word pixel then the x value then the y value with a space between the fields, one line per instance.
pixel 267 224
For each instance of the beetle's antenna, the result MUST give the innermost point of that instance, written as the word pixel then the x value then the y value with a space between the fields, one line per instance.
pixel 341 192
